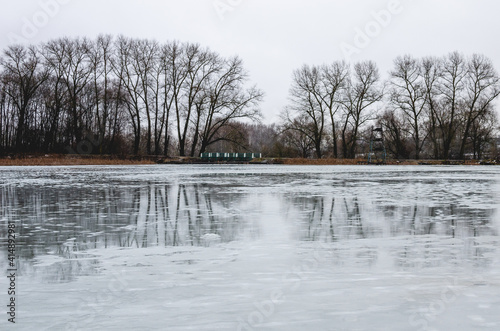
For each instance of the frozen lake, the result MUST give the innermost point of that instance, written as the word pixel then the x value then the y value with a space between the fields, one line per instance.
pixel 253 247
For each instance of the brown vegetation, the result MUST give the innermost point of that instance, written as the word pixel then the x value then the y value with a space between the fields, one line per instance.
pixel 330 161
pixel 55 160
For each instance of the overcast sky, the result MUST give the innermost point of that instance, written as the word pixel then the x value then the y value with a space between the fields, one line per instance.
pixel 272 37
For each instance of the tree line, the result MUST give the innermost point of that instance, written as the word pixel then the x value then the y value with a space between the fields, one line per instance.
pixel 134 96
pixel 429 107
pixel 123 95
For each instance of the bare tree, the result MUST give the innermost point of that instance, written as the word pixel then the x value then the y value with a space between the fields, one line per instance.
pixel 23 75
pixel 483 134
pixel 482 87
pixel 175 76
pixel 56 92
pixel 4 118
pixel 295 135
pixel 228 101
pixel 395 130
pixel 101 53
pixel 306 100
pixel 76 73
pixel 147 86
pixel 407 94
pixel 124 69
pixel 451 86
pixel 200 64
pixel 432 72
pixel 362 93
pixel 333 82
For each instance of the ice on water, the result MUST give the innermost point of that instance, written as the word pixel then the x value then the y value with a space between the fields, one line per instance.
pixel 255 247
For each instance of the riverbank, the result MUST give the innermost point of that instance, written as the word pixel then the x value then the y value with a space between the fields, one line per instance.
pixel 69 160
pixel 62 160
pixel 328 161
pixel 388 162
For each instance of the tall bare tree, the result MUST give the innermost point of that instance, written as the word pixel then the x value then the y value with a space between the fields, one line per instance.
pixel 362 93
pixel 56 92
pixel 482 87
pixel 76 73
pixel 432 72
pixel 305 97
pixel 175 76
pixel 334 78
pixel 200 64
pixel 407 95
pixel 23 75
pixel 227 100
pixel 123 66
pixel 452 84
pixel 101 57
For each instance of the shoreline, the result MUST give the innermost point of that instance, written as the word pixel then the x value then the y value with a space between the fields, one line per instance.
pixel 73 160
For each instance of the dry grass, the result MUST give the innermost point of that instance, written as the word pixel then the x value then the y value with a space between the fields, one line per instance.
pixel 57 160
pixel 300 161
pixel 338 162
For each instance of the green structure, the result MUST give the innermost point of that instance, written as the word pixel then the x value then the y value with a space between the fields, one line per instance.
pixel 236 157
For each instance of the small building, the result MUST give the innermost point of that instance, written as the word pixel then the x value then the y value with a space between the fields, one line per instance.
pixel 237 157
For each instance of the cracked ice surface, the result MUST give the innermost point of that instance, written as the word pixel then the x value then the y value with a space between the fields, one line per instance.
pixel 254 247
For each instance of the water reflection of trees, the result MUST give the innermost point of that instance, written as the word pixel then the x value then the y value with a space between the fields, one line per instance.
pixel 416 236
pixel 181 215
pixel 333 218
pixel 67 220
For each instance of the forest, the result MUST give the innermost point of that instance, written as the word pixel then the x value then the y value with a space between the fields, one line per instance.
pixel 124 96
